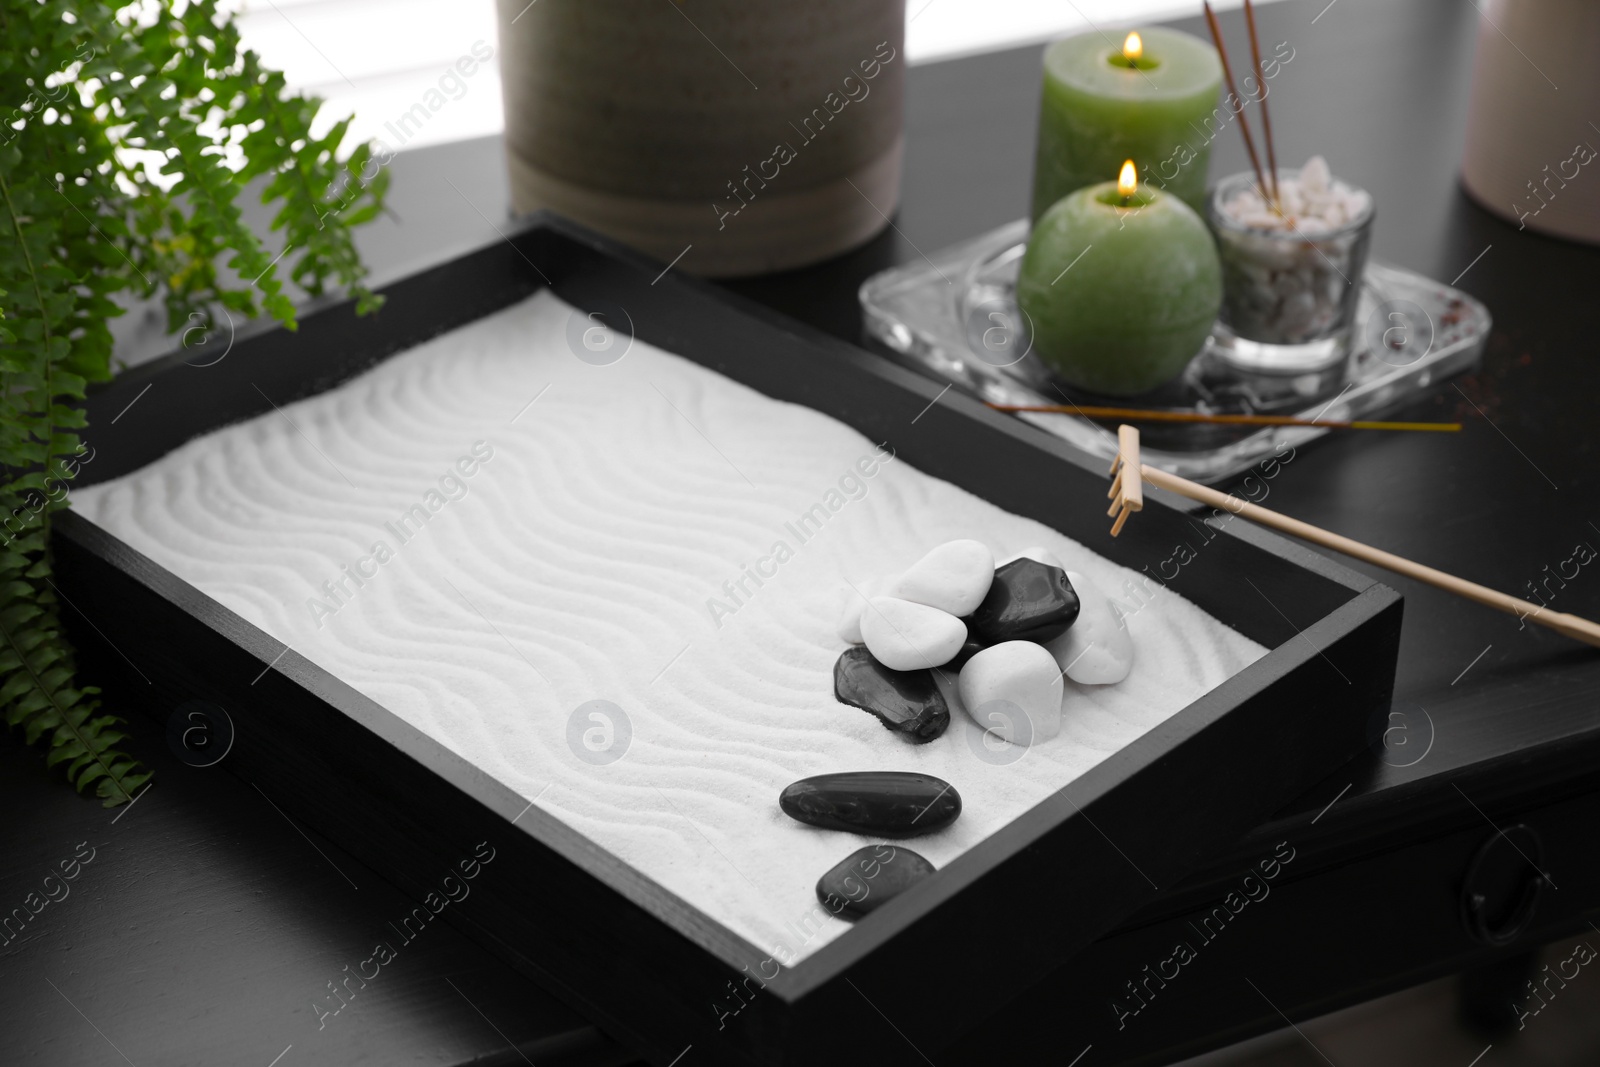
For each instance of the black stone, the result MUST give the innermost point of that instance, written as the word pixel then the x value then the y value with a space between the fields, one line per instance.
pixel 966 652
pixel 1028 601
pixel 876 803
pixel 907 702
pixel 869 878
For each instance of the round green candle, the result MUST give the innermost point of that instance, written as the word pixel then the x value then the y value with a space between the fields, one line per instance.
pixel 1101 107
pixel 1119 291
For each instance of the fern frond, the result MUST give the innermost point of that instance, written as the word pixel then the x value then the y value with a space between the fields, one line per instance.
pixel 37 695
pixel 134 127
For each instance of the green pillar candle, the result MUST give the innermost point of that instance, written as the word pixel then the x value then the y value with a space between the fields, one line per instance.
pixel 1119 291
pixel 1101 107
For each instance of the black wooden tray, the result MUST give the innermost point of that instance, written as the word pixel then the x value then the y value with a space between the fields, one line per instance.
pixel 937 963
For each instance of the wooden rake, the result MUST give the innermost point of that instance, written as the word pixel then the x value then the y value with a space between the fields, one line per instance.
pixel 1127 496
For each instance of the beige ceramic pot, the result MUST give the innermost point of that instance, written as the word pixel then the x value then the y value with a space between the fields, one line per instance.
pixel 1533 127
pixel 758 136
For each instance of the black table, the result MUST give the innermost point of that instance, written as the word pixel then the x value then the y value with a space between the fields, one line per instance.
pixel 208 923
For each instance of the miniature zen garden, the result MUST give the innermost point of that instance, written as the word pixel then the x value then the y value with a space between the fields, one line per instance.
pixel 1262 269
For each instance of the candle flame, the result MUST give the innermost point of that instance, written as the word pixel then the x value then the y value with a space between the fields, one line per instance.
pixel 1128 180
pixel 1132 47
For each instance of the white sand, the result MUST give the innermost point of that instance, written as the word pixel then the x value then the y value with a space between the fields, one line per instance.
pixel 578 566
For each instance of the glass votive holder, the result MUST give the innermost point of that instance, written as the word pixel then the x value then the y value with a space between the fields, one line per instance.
pixel 1290 281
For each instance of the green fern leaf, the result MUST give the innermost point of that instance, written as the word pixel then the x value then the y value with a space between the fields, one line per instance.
pixel 82 222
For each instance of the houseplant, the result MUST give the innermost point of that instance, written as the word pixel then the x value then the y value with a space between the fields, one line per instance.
pixel 128 132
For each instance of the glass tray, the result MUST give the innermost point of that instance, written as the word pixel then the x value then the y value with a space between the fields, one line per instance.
pixel 954 314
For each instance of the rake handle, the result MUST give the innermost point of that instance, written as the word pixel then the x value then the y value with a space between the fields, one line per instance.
pixel 1571 626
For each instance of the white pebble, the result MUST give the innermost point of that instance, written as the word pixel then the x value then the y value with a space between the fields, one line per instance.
pixel 953 577
pixel 1038 555
pixel 1098 650
pixel 1012 679
pixel 852 602
pixel 1315 176
pixel 1312 202
pixel 905 637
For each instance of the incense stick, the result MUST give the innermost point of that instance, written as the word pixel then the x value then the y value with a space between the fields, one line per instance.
pixel 1261 87
pixel 1233 90
pixel 1144 415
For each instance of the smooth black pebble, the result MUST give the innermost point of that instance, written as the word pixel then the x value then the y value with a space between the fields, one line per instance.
pixel 869 878
pixel 964 653
pixel 907 702
pixel 1028 601
pixel 875 803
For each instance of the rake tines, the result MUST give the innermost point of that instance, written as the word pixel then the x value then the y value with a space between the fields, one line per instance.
pixel 1127 489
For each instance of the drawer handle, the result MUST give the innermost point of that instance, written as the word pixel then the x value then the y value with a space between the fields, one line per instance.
pixel 1508 866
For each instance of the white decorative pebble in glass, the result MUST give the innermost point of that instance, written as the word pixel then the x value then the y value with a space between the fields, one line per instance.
pixel 1291 273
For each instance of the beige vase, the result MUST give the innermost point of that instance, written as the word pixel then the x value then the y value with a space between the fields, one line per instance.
pixel 743 137
pixel 1533 126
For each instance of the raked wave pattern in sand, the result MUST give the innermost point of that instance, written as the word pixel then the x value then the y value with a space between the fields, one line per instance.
pixel 538 557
